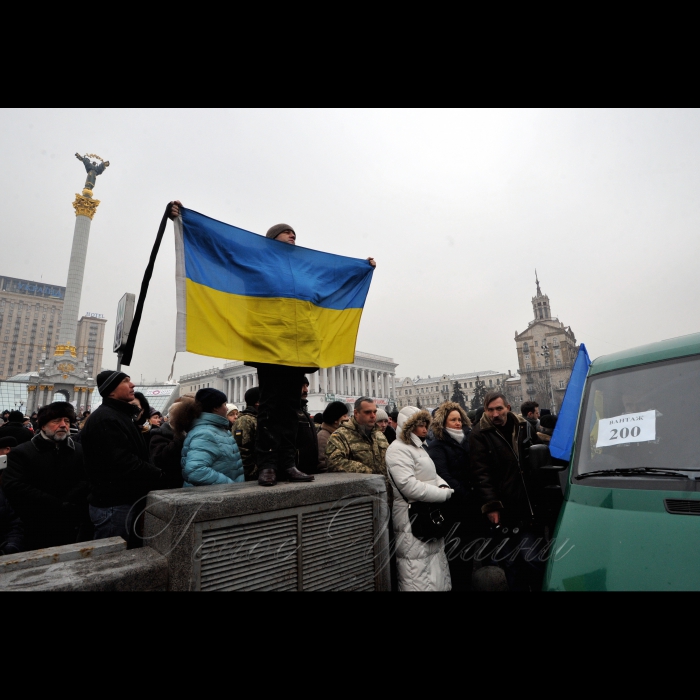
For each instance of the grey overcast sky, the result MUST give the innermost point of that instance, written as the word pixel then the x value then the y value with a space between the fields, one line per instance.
pixel 457 206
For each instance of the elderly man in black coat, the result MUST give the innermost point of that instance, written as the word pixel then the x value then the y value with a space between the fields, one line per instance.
pixel 15 428
pixel 45 482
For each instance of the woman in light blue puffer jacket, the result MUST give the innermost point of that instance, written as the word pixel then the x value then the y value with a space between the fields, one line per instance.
pixel 210 454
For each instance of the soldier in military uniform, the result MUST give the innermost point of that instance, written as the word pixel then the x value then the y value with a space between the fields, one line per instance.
pixel 358 445
pixel 244 432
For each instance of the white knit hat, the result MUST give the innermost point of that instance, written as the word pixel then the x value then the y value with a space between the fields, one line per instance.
pixel 382 414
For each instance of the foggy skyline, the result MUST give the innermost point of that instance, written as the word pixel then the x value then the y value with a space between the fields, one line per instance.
pixel 458 207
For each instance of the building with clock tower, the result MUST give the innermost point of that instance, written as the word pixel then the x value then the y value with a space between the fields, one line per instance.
pixel 547 351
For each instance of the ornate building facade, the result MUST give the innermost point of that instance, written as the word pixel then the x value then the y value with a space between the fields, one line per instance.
pixel 547 351
pixel 430 392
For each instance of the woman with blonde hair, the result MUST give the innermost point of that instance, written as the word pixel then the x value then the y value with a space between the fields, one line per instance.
pixel 449 451
pixel 421 565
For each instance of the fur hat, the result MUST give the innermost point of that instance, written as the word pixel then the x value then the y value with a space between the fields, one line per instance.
pixel 440 417
pixel 210 398
pixel 57 409
pixel 275 230
pixel 410 422
pixel 108 381
pixel 16 417
pixel 8 441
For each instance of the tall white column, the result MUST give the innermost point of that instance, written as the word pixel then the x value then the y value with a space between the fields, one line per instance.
pixel 84 211
pixel 332 370
pixel 393 386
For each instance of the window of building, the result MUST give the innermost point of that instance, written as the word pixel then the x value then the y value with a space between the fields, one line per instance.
pixel 539 364
pixel 490 382
pixel 526 347
pixel 527 366
pixel 536 344
pixel 561 383
pixel 558 363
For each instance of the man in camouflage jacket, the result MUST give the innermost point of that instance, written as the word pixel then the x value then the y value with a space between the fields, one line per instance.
pixel 358 445
pixel 244 432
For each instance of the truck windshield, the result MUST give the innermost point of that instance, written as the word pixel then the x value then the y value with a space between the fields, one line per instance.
pixel 644 416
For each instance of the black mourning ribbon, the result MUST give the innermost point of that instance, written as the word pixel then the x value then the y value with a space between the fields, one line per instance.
pixel 129 348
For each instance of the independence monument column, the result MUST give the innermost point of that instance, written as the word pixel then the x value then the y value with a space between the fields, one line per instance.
pixel 64 373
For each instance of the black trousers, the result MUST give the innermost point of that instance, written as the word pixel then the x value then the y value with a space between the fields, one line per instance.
pixel 280 397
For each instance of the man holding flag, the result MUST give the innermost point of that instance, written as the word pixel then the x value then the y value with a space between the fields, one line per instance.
pixel 276 307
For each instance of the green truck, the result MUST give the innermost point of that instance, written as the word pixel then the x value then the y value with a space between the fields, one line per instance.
pixel 632 487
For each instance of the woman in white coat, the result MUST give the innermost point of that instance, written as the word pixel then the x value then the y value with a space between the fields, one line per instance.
pixel 421 566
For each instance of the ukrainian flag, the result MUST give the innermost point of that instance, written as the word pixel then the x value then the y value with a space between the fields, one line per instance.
pixel 242 296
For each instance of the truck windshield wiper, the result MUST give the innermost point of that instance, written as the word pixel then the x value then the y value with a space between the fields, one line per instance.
pixel 636 471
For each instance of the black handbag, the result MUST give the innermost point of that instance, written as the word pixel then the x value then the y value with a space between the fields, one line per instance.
pixel 427 520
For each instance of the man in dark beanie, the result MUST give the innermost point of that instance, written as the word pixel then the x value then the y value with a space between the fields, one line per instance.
pixel 15 428
pixel 116 461
pixel 335 414
pixel 280 400
pixel 245 431
pixel 45 482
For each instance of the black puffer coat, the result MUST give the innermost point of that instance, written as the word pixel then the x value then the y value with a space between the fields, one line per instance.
pixel 166 453
pixel 452 464
pixel 46 486
pixel 116 457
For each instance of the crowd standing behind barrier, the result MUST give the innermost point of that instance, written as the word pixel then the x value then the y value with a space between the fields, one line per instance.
pixel 60 488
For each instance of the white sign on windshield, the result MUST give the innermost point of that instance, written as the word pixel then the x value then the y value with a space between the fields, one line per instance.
pixel 631 427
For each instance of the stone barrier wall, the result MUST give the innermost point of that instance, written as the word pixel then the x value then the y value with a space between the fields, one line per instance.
pixel 329 534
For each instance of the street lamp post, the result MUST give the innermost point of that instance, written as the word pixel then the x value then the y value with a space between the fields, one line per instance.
pixel 545 353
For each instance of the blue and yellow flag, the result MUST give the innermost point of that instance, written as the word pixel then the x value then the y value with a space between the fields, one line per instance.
pixel 242 296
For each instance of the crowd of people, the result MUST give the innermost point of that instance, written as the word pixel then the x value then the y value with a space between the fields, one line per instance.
pixel 454 482
pixel 70 479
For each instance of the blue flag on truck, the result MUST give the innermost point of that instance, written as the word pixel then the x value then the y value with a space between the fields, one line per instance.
pixel 563 438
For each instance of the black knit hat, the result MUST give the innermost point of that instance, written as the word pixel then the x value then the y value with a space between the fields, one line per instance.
pixel 109 380
pixel 57 409
pixel 210 398
pixel 334 410
pixel 16 417
pixel 275 230
pixel 252 396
